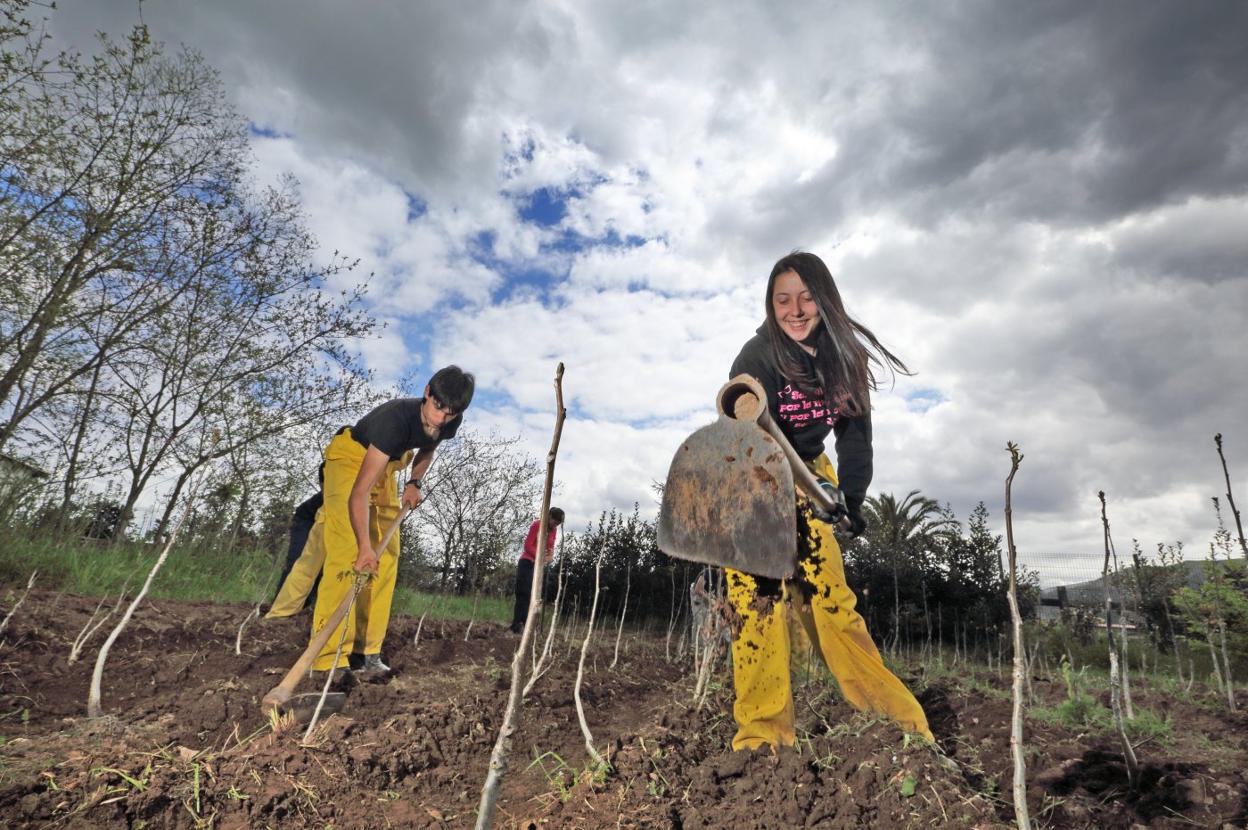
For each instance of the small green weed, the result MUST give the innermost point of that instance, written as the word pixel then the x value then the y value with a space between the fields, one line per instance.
pixel 1149 725
pixel 557 773
pixel 1079 710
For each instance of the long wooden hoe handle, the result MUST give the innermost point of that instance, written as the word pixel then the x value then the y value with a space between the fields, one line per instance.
pixel 280 694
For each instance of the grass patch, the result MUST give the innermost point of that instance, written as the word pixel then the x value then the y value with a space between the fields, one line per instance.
pixel 193 572
pixel 1079 712
pixel 449 606
pixel 1147 724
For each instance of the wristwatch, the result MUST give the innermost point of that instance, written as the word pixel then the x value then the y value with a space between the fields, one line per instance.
pixel 420 485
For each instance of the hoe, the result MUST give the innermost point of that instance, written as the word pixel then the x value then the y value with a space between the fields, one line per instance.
pixel 282 697
pixel 730 496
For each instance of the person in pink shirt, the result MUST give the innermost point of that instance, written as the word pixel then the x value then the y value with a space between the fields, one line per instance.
pixel 524 570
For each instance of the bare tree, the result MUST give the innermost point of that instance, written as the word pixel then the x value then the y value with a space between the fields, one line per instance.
pixel 93 157
pixel 148 294
pixel 479 503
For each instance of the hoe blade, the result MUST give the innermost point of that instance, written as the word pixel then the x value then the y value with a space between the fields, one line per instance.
pixel 303 706
pixel 729 501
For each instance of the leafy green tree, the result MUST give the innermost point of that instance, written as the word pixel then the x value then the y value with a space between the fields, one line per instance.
pixel 906 534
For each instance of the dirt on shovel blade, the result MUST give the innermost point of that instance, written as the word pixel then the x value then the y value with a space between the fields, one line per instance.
pixel 729 501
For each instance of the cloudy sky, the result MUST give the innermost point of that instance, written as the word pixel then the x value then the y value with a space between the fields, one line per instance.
pixel 1034 204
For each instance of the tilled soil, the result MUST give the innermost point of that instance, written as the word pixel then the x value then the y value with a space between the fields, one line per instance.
pixel 185 744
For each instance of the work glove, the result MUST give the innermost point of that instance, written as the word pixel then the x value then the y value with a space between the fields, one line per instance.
pixel 857 524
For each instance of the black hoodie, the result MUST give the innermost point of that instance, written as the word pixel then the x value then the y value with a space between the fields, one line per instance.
pixel 806 421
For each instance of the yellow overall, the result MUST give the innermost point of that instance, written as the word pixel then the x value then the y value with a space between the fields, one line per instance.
pixel 302 576
pixel 332 542
pixel 760 651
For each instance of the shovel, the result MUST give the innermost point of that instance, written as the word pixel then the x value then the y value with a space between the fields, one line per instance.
pixel 281 698
pixel 730 497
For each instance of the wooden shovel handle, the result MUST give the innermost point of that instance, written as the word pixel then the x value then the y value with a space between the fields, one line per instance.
pixel 281 693
pixel 743 399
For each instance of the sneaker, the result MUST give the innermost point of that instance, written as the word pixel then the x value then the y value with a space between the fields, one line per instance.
pixel 373 665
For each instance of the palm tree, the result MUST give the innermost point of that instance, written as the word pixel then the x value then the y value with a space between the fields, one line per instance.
pixel 903 529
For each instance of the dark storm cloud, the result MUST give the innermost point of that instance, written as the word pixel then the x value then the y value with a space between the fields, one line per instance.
pixel 1059 112
pixel 1207 241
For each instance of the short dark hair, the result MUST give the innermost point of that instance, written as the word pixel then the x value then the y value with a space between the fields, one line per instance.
pixel 453 387
pixel 556 515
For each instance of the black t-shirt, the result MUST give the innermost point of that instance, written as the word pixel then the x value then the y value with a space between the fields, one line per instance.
pixel 806 419
pixel 395 427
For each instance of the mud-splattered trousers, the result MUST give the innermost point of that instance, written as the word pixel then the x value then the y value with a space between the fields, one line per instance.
pixel 332 550
pixel 760 651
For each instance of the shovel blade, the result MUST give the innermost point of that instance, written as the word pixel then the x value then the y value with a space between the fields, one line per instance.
pixel 729 501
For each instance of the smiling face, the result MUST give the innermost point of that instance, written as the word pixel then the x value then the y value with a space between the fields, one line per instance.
pixel 793 306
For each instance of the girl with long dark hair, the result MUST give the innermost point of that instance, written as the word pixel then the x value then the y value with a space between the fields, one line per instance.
pixel 818 366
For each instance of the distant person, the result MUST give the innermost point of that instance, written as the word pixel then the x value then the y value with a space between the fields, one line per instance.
pixel 296 589
pixel 361 501
pixel 814 362
pixel 524 568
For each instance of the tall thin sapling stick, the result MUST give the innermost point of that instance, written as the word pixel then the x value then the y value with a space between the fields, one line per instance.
pixel 360 580
pixel 1239 525
pixel 88 630
pixel 628 580
pixel 97 675
pixel 511 715
pixel 1115 690
pixel 1017 747
pixel 580 668
pixel 544 662
pixel 1128 708
pixel 1222 538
